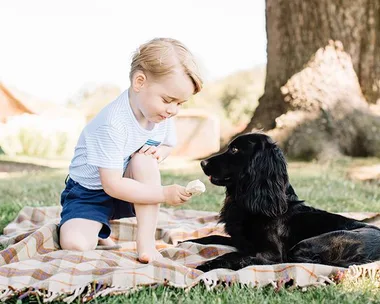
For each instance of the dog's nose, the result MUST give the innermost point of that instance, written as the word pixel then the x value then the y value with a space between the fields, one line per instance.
pixel 204 163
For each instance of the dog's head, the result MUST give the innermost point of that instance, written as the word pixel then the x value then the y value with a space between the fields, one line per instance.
pixel 253 169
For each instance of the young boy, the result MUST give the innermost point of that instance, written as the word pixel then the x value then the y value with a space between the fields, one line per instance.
pixel 114 172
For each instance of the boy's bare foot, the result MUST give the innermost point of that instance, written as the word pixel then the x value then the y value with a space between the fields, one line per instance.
pixel 106 242
pixel 147 253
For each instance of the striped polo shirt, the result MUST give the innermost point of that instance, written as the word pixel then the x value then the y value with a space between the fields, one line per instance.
pixel 109 140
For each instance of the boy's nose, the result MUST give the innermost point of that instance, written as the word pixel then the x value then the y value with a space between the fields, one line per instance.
pixel 172 109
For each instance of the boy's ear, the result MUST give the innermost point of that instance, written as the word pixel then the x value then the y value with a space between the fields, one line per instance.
pixel 138 81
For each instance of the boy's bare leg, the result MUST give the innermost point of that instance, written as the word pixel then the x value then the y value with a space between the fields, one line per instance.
pixel 82 235
pixel 145 169
pixel 79 234
pixel 146 216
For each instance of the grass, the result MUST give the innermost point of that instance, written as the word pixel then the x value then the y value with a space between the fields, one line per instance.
pixel 239 294
pixel 321 185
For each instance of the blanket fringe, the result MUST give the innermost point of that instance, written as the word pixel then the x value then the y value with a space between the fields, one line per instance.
pixel 97 289
pixel 212 283
pixel 77 292
pixel 371 271
pixel 322 280
pixel 50 296
pixel 88 292
pixel 5 294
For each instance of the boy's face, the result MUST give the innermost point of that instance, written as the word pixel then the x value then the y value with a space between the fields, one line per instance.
pixel 161 98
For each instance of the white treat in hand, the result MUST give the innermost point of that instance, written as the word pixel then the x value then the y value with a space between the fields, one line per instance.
pixel 195 187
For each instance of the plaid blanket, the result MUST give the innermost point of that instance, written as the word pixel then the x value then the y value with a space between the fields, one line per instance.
pixel 34 263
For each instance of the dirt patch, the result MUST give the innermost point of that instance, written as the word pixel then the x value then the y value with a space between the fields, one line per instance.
pixel 10 167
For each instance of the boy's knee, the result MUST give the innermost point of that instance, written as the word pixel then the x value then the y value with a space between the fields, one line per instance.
pixel 77 242
pixel 141 157
pixel 141 160
pixel 144 168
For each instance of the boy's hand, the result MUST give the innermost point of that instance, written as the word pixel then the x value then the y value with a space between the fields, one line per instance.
pixel 152 150
pixel 176 195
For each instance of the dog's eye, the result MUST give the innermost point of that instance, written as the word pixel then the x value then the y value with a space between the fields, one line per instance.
pixel 234 150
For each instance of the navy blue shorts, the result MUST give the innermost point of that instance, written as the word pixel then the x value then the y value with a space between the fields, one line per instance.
pixel 80 202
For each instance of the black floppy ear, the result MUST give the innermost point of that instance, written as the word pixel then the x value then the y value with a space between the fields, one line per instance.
pixel 291 195
pixel 264 185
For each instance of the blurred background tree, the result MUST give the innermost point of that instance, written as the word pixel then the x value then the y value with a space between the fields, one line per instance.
pixel 232 98
pixel 91 98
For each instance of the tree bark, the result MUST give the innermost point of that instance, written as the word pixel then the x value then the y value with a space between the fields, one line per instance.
pixel 327 112
pixel 297 29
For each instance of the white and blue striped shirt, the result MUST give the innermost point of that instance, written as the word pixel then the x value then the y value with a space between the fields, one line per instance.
pixel 109 140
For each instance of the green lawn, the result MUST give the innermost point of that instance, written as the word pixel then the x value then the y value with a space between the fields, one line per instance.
pixel 321 185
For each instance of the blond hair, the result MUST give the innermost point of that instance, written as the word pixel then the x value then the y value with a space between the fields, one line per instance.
pixel 160 56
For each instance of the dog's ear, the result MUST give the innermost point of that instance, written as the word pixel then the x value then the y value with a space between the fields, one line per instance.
pixel 264 184
pixel 291 195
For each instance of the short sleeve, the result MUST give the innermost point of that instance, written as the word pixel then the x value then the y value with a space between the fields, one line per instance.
pixel 171 134
pixel 105 147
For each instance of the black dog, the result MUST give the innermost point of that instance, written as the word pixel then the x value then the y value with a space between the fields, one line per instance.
pixel 267 223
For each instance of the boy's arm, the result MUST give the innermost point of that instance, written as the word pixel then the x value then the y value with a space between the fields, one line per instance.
pixel 128 189
pixel 132 191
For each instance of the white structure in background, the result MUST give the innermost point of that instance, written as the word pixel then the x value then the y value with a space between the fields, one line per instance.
pixel 198 133
pixel 32 127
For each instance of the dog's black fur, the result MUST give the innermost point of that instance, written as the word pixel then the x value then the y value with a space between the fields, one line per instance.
pixel 266 221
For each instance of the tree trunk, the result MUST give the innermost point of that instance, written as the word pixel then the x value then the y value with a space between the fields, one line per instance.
pixel 327 111
pixel 297 29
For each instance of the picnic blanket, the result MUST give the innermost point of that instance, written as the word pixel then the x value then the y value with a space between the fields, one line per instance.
pixel 34 263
